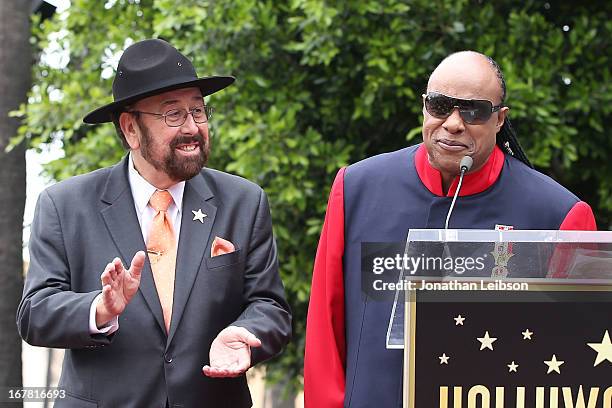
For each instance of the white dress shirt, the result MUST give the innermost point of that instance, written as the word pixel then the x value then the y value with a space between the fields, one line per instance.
pixel 142 191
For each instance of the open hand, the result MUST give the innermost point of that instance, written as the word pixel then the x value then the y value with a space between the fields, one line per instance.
pixel 230 352
pixel 118 287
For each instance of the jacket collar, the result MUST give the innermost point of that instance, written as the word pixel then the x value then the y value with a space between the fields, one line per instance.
pixel 473 183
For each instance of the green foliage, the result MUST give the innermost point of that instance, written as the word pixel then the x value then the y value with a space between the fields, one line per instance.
pixel 323 84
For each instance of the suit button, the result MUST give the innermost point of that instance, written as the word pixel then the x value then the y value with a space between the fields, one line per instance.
pixel 167 358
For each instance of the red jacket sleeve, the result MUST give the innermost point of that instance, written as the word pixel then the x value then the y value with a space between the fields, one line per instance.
pixel 579 218
pixel 325 356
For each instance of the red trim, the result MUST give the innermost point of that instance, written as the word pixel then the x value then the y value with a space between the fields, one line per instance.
pixel 325 356
pixel 473 183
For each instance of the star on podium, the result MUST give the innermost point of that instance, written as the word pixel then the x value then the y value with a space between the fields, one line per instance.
pixel 486 341
pixel 603 349
pixel 553 365
pixel 459 320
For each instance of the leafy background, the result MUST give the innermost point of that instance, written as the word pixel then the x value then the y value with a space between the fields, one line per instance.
pixel 322 84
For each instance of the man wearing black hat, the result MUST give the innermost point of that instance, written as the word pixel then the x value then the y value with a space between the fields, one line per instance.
pixel 201 301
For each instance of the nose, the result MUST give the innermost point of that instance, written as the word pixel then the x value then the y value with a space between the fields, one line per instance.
pixel 454 123
pixel 190 127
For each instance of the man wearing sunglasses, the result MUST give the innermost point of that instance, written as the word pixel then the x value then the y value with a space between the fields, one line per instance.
pixel 158 275
pixel 379 199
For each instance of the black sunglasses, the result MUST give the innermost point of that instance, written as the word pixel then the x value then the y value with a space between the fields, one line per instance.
pixel 472 111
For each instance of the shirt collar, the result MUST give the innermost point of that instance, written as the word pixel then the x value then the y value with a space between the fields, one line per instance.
pixel 142 190
pixel 473 183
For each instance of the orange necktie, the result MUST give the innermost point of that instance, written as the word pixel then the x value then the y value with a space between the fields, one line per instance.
pixel 161 247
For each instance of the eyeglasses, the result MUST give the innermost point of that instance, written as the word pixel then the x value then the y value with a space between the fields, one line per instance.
pixel 177 117
pixel 472 111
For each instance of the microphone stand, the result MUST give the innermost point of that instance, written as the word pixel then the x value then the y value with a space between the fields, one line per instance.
pixel 465 165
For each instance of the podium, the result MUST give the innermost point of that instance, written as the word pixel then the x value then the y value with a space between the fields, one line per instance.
pixel 498 319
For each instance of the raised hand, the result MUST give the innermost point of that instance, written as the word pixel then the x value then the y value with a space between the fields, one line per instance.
pixel 230 352
pixel 118 287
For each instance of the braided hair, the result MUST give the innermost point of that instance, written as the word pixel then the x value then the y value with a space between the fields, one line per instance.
pixel 506 137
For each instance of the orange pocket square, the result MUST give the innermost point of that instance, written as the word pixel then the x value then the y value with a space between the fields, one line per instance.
pixel 221 246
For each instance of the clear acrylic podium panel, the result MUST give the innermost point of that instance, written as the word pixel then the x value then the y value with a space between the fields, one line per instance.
pixel 452 262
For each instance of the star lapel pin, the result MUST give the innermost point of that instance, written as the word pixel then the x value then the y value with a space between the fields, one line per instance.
pixel 198 215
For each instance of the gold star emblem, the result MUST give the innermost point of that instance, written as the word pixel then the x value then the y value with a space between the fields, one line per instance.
pixel 444 359
pixel 512 367
pixel 459 320
pixel 486 341
pixel 553 365
pixel 527 334
pixel 603 349
pixel 198 215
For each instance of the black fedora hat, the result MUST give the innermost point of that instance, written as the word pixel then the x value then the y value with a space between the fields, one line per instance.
pixel 148 68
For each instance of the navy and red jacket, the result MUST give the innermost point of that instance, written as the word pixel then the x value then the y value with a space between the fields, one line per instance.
pixel 378 200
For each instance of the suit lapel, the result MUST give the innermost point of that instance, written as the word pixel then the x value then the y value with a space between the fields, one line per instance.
pixel 122 222
pixel 193 241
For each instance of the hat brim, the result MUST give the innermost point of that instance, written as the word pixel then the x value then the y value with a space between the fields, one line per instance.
pixel 207 85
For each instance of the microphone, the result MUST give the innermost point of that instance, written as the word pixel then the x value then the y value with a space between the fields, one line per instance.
pixel 464 166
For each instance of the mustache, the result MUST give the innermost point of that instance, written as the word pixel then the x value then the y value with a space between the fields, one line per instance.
pixel 187 140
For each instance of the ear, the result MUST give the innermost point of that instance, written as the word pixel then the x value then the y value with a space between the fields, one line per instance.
pixel 501 117
pixel 130 129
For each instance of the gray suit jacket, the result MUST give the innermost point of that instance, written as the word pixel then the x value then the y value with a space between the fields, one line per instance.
pixel 82 223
